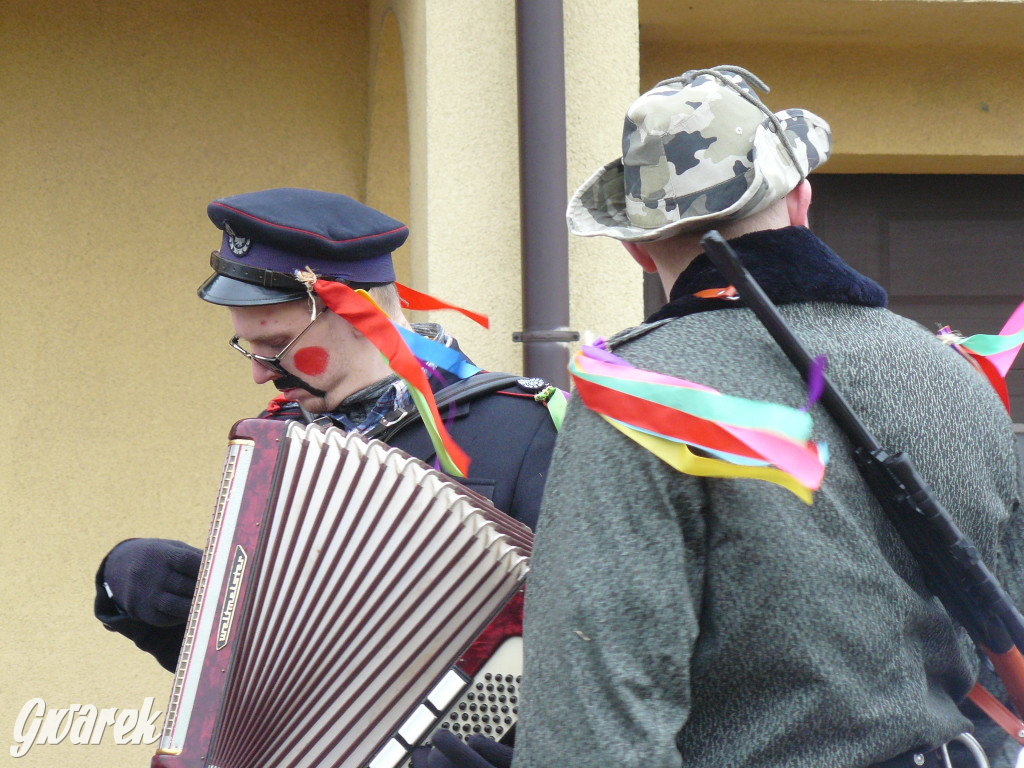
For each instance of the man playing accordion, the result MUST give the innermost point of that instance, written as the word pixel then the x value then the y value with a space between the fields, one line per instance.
pixel 329 372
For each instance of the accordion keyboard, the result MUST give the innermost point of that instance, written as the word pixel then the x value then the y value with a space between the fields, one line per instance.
pixel 490 704
pixel 487 704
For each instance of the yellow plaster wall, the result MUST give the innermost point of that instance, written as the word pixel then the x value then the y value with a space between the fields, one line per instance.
pixel 120 121
pixel 468 180
pixel 602 80
pixel 398 49
pixel 387 160
pixel 908 87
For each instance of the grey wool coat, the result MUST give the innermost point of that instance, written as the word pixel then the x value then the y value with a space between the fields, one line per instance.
pixel 673 620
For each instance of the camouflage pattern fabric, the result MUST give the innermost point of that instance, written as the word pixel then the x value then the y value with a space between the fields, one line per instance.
pixel 698 149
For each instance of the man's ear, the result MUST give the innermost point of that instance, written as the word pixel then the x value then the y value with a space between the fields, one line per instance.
pixel 641 256
pixel 797 203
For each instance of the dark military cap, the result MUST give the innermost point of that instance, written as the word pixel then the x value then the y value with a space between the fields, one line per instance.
pixel 270 234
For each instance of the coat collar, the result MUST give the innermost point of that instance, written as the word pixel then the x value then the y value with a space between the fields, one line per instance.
pixel 791 265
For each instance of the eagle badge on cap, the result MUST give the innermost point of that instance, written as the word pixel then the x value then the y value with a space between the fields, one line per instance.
pixel 239 245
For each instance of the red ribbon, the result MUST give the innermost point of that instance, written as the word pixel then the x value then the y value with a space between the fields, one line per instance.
pixel 661 419
pixel 729 292
pixel 423 302
pixel 993 375
pixel 375 326
pixel 275 405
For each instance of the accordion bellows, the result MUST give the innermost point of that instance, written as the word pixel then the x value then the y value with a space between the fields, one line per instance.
pixel 341 581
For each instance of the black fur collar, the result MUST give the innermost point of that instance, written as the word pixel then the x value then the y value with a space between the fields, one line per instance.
pixel 791 265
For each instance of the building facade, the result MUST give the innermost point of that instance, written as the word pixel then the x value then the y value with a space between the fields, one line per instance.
pixel 122 121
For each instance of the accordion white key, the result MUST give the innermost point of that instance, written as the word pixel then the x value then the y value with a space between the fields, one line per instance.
pixel 341 582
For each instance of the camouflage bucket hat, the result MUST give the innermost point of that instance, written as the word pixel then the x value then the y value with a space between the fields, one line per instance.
pixel 698 149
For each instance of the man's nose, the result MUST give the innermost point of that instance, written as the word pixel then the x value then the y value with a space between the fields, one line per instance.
pixel 261 374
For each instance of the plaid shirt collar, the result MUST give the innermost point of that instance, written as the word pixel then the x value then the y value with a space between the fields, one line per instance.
pixel 365 409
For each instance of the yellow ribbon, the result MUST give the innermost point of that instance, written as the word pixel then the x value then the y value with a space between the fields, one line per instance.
pixel 680 457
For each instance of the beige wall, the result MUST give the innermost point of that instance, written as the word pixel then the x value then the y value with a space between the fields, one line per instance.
pixel 120 121
pixel 602 79
pixel 462 110
pixel 387 161
pixel 466 182
pixel 908 87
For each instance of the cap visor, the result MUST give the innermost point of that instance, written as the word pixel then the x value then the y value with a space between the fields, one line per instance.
pixel 234 293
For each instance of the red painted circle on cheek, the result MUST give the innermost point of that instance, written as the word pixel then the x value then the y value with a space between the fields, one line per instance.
pixel 311 360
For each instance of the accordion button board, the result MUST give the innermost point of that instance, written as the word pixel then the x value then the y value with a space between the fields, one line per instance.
pixel 490 704
pixel 343 590
pixel 486 704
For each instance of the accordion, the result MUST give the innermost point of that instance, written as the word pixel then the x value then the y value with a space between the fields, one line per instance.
pixel 342 583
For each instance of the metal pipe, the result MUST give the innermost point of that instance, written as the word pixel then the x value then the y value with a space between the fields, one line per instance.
pixel 543 193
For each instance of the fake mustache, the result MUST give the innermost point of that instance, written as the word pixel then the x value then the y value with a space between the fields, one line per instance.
pixel 290 381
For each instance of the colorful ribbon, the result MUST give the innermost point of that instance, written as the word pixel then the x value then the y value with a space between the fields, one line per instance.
pixel 358 309
pixel 415 300
pixel 670 416
pixel 556 401
pixel 431 352
pixel 992 354
pixel 434 353
pixel 815 380
pixel 1001 349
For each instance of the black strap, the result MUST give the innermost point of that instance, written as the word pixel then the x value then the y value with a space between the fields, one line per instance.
pixel 462 390
pixel 245 273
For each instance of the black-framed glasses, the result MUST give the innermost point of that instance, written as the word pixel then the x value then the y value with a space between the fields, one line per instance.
pixel 274 363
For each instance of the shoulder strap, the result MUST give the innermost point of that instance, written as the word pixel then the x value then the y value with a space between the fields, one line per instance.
pixel 464 389
pixel 635 332
pixel 481 384
pixel 998 712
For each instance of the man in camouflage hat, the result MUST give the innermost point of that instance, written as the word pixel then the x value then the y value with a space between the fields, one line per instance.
pixel 674 620
pixel 326 371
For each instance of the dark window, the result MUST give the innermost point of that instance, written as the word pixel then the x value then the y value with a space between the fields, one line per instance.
pixel 948 249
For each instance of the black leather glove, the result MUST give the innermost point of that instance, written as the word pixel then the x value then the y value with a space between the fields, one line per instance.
pixel 152 580
pixel 449 751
